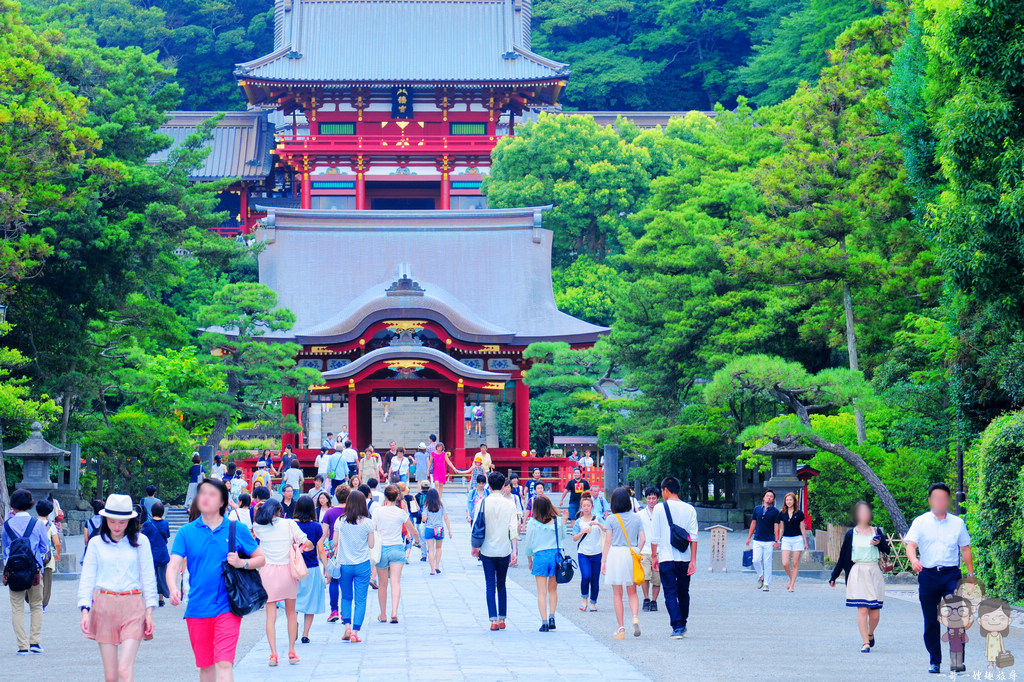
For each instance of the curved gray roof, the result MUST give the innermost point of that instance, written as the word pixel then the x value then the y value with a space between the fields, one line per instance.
pixel 485 275
pixel 240 147
pixel 404 41
pixel 413 353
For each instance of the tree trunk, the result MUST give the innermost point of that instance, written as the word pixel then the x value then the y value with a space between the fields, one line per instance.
pixel 899 521
pixel 851 348
pixel 5 495
pixel 220 427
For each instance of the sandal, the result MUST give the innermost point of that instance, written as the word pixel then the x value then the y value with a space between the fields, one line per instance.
pixel 354 639
pixel 348 631
pixel 394 620
pixel 636 627
pixel 293 658
pixel 593 607
pixel 583 608
pixel 620 633
pixel 866 649
pixel 273 661
pixel 381 619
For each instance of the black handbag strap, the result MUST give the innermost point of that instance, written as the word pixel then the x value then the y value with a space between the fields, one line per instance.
pixel 231 536
pixel 668 514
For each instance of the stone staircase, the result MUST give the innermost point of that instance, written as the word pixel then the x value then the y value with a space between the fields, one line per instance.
pixel 176 516
pixel 409 423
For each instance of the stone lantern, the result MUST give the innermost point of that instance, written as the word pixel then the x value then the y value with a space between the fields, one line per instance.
pixel 786 454
pixel 36 454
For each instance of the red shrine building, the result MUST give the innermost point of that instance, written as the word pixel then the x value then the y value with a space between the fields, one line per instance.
pixel 405 286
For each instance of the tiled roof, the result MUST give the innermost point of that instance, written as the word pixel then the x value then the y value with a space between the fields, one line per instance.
pixel 483 275
pixel 240 147
pixel 404 41
pixel 413 353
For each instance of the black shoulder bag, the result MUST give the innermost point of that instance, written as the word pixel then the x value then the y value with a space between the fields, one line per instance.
pixel 244 587
pixel 678 537
pixel 479 527
pixel 564 564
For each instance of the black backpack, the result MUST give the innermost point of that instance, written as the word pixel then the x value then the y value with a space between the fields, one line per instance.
pixel 22 568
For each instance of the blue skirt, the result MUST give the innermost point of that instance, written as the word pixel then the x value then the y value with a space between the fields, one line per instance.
pixel 312 597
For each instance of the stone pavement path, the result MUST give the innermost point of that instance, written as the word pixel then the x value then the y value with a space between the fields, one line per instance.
pixel 443 633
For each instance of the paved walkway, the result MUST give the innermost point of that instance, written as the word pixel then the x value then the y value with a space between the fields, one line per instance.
pixel 443 633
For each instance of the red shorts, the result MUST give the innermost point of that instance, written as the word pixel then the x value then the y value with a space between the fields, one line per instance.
pixel 214 639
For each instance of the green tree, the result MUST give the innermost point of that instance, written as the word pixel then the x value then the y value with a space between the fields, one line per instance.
pixel 593 178
pixel 587 290
pixel 804 394
pixel 138 449
pixel 257 370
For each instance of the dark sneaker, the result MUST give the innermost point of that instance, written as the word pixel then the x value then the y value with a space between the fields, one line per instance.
pixel 654 605
pixel 333 618
pixel 551 622
pixel 677 633
pixel 935 669
pixel 422 558
pixel 23 652
pixel 543 628
pixel 35 649
pixel 646 606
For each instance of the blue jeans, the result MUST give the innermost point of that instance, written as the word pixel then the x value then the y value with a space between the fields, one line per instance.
pixel 590 575
pixel 423 541
pixel 574 510
pixel 495 572
pixel 675 583
pixel 932 586
pixel 355 581
pixel 332 589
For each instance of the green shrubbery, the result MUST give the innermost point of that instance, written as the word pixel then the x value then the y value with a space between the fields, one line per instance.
pixel 995 495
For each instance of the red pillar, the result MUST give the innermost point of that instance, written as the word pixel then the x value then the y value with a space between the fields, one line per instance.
pixel 360 192
pixel 353 416
pixel 243 209
pixel 459 449
pixel 446 191
pixel 288 406
pixel 522 415
pixel 307 187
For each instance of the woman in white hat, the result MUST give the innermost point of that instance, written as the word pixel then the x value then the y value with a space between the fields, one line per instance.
pixel 117 590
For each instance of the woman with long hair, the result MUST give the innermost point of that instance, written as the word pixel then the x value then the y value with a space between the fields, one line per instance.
pixel 588 534
pixel 865 585
pixel 435 520
pixel 542 533
pixel 117 590
pixel 276 536
pixel 793 544
pixel 624 534
pixel 353 535
pixel 330 518
pixel 312 596
pixel 322 504
pixel 389 519
pixel 442 465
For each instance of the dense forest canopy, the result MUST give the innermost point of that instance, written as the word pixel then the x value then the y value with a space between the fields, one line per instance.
pixel 834 255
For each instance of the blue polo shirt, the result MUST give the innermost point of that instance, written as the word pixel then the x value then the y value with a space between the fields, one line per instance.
pixel 766 518
pixel 205 550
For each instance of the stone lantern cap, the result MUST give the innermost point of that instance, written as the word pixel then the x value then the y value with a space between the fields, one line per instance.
pixel 36 445
pixel 788 446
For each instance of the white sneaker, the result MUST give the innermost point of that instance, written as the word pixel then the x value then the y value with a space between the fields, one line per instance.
pixel 764 589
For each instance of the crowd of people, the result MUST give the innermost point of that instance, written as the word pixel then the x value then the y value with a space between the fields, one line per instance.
pixel 319 552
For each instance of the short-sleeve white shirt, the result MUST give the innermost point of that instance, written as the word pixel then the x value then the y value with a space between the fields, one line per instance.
pixel 938 542
pixel 684 516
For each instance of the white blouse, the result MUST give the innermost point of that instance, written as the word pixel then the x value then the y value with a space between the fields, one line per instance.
pixel 276 539
pixel 118 567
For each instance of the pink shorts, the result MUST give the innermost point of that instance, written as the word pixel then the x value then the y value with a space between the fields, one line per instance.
pixel 214 639
pixel 116 618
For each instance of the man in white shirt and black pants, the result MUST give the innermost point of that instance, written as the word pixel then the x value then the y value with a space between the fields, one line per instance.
pixel 501 539
pixel 942 539
pixel 674 566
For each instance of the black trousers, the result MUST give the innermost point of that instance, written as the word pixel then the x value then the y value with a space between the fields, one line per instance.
pixel 932 585
pixel 675 584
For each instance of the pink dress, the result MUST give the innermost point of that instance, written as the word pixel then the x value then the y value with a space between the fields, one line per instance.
pixel 440 468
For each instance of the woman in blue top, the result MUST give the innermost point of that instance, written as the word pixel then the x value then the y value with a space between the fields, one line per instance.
pixel 212 628
pixel 542 535
pixel 311 598
pixel 195 475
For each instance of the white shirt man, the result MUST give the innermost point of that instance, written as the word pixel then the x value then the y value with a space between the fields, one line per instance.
pixel 675 566
pixel 652 578
pixel 501 534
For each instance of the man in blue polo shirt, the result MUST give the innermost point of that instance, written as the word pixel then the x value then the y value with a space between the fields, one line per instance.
pixel 212 628
pixel 764 529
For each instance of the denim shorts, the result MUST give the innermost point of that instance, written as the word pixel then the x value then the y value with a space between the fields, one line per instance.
pixel 544 562
pixel 391 554
pixel 432 533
